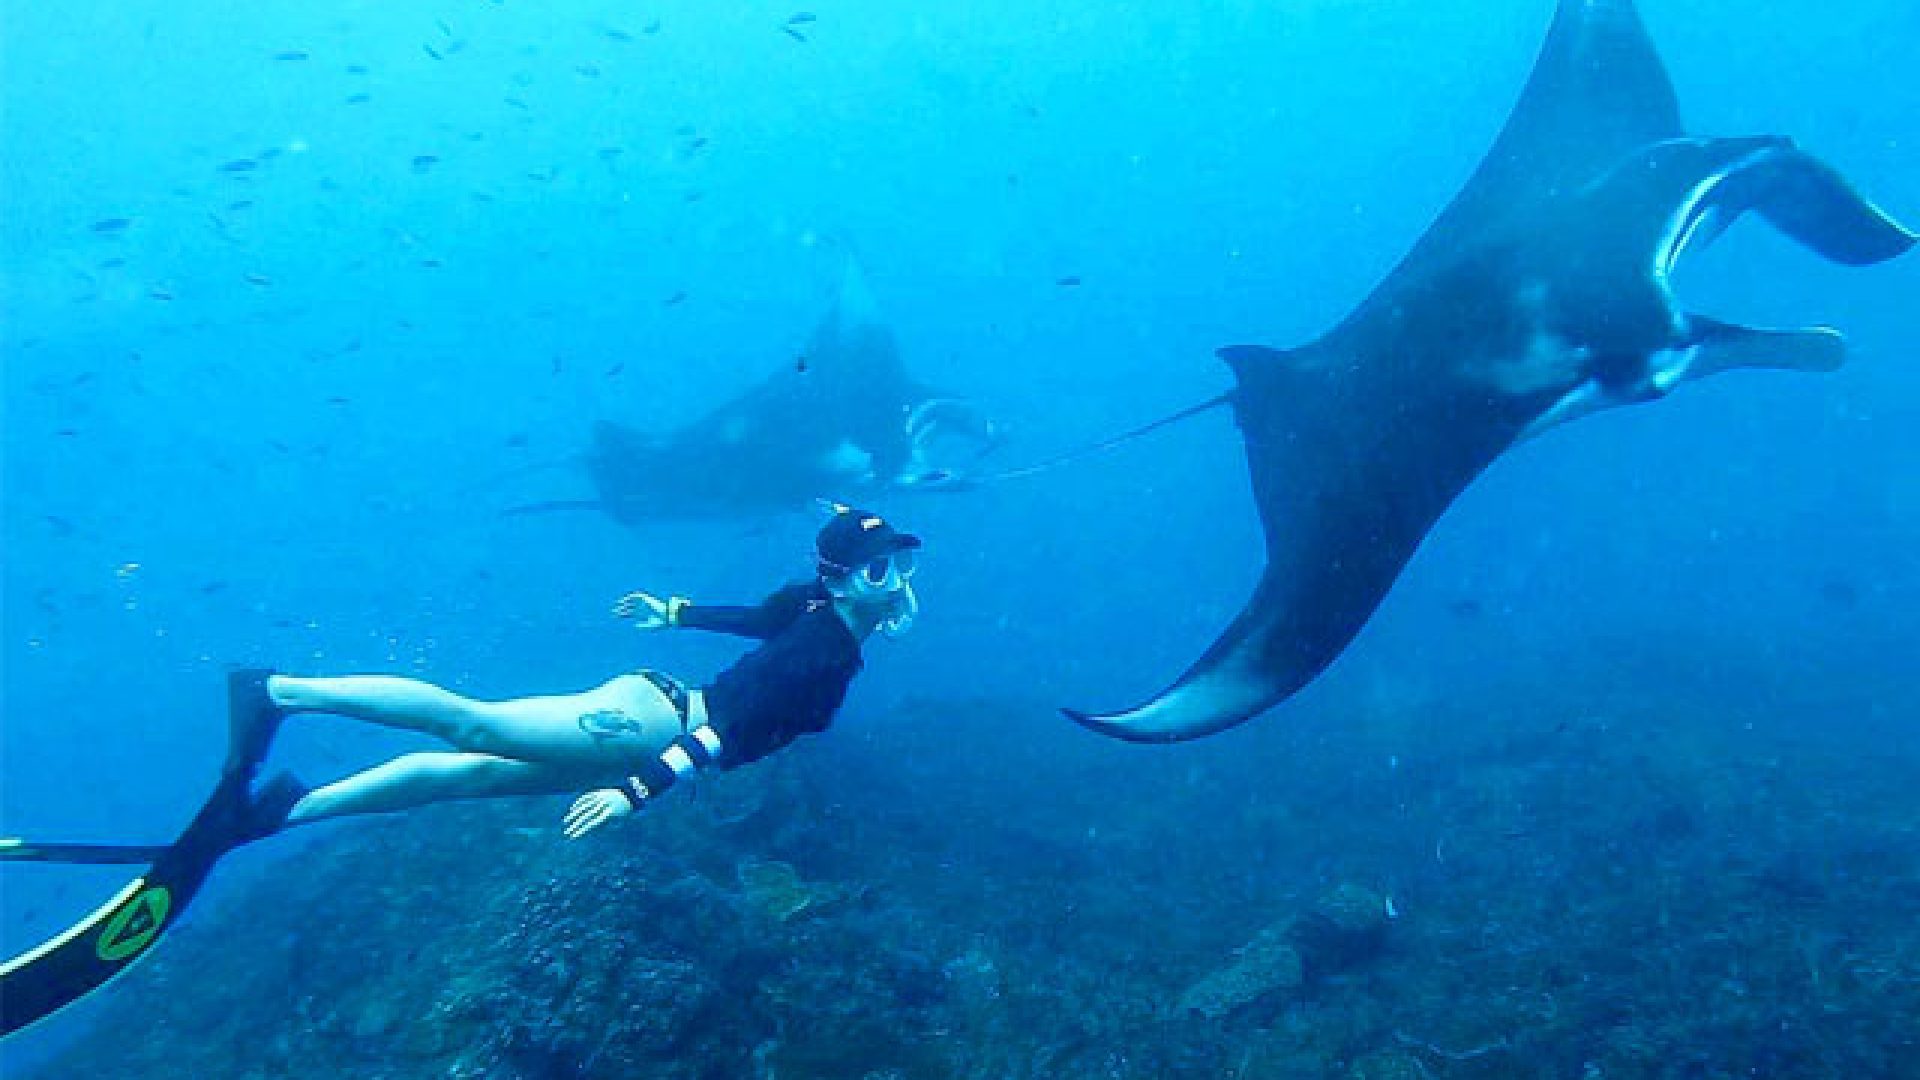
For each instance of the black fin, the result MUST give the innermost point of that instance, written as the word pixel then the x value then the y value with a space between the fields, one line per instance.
pixel 14 849
pixel 253 720
pixel 269 806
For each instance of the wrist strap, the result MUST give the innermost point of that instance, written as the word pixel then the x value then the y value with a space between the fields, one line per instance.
pixel 684 756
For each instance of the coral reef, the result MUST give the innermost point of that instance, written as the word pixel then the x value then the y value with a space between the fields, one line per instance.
pixel 1600 892
pixel 1346 927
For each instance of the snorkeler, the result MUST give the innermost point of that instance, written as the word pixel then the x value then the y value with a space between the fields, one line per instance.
pixel 628 740
pixel 634 737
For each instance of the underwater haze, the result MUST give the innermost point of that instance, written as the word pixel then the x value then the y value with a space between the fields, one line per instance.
pixel 300 303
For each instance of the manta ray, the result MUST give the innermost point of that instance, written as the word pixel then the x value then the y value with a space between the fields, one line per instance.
pixel 845 419
pixel 1539 295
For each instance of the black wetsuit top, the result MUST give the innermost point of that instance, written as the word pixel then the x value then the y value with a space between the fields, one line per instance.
pixel 792 684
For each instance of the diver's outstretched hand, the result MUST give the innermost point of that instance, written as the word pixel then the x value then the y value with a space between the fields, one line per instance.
pixel 594 809
pixel 647 611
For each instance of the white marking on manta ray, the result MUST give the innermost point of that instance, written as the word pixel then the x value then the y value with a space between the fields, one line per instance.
pixel 1548 360
pixel 1669 368
pixel 847 459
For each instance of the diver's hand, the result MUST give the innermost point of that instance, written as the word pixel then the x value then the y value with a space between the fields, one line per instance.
pixel 594 809
pixel 647 611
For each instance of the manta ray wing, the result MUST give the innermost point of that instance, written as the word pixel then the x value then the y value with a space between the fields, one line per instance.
pixel 1326 437
pixel 1597 90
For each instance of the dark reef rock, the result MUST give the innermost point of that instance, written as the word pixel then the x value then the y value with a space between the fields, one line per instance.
pixel 835 914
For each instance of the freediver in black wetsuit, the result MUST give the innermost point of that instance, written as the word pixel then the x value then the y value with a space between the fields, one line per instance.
pixel 633 737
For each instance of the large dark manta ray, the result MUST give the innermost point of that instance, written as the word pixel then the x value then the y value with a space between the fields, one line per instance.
pixel 1538 296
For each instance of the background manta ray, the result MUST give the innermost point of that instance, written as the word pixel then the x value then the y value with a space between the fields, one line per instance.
pixel 1539 295
pixel 844 420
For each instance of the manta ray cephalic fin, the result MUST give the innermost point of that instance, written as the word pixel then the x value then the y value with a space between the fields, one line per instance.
pixel 1726 346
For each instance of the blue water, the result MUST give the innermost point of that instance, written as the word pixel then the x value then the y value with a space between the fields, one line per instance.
pixel 275 417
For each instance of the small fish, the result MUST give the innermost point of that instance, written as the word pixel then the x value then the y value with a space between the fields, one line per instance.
pixel 357 69
pixel 616 34
pixel 423 163
pixel 802 18
pixel 1840 593
pixel 260 280
pixel 158 293
pixel 444 28
pixel 67 433
pixel 517 440
pixel 291 55
pixel 1068 282
pixel 240 165
pixel 358 99
pixel 698 142
pixel 800 364
pixel 112 264
pixel 112 225
pixel 693 196
pixel 82 379
pixel 608 153
pixel 212 587
pixel 271 152
pixel 339 400
pixel 794 34
pixel 432 264
pixel 60 526
pixel 238 205
pixel 588 71
pixel 651 28
pixel 674 300
pixel 559 365
pixel 616 369
pixel 431 51
pixel 518 103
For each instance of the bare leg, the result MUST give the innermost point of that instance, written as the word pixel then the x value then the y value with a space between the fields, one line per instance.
pixel 613 726
pixel 413 780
